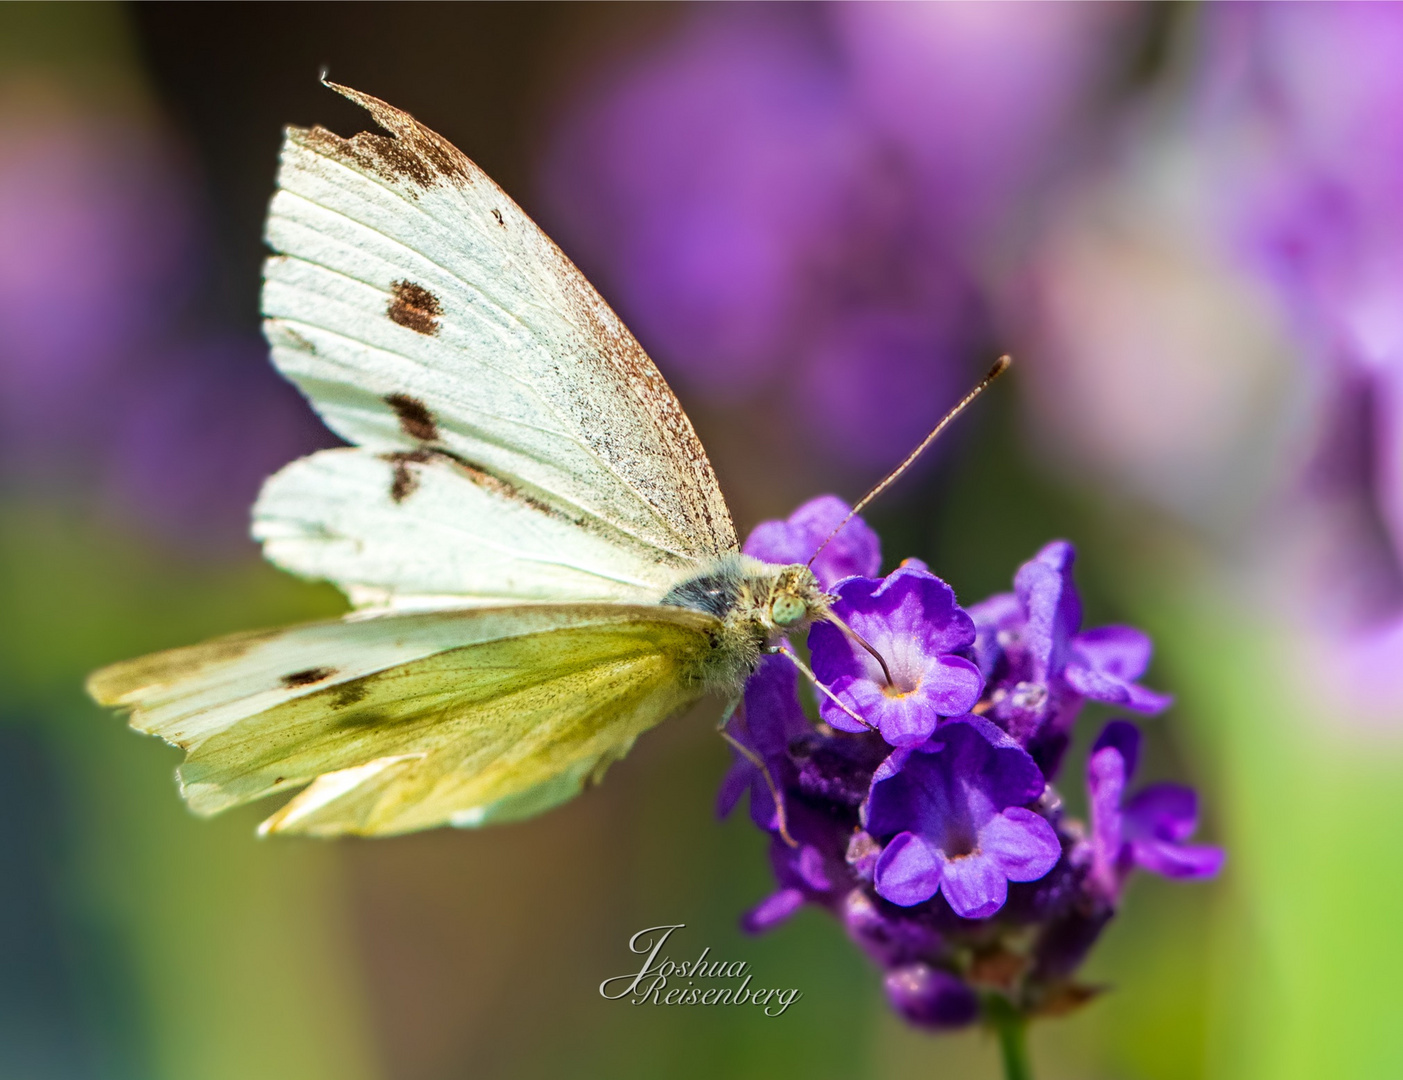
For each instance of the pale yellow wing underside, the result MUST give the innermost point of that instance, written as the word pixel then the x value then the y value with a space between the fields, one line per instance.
pixel 503 713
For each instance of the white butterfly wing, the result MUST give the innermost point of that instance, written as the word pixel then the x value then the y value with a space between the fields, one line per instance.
pixel 408 721
pixel 424 314
pixel 422 531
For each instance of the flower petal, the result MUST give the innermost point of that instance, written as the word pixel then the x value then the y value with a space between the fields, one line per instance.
pixel 772 911
pixel 1125 737
pixel 930 997
pixel 810 866
pixel 1024 844
pixel 908 872
pixel 1105 781
pixel 1102 686
pixel 854 551
pixel 1177 860
pixel 1121 651
pixel 903 721
pixel 974 886
pixel 1162 812
pixel 733 786
pixel 1002 611
pixel 773 716
pixel 1045 588
pixel 953 685
pixel 1009 774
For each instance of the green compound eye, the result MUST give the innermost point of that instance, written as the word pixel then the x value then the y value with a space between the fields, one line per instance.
pixel 787 610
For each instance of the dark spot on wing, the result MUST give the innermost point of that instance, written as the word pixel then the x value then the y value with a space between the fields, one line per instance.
pixel 403 479
pixel 349 694
pixel 293 339
pixel 308 676
pixel 415 420
pixel 279 780
pixel 362 718
pixel 506 490
pixel 414 307
pixel 498 215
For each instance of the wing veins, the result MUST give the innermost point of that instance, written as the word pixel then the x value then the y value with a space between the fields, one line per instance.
pixel 476 431
pixel 556 312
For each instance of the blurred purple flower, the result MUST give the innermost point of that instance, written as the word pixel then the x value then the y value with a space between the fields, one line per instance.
pixel 1287 204
pixel 94 244
pixel 707 173
pixel 106 394
pixel 1148 831
pixel 856 551
pixel 987 100
pixel 954 810
pixel 910 618
pixel 803 200
pixel 198 435
pixel 929 997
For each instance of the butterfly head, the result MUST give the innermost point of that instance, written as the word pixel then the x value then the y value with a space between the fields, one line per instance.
pixel 796 598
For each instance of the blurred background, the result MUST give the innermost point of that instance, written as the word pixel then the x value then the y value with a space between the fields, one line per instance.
pixel 1185 221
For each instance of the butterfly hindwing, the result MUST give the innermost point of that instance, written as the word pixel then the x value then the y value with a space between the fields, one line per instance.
pixel 424 531
pixel 501 705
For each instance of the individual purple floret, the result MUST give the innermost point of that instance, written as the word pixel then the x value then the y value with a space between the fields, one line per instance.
pixel 773 719
pixel 1149 830
pixel 1041 670
pixel 949 859
pixel 955 811
pixel 930 997
pixel 854 551
pixel 912 620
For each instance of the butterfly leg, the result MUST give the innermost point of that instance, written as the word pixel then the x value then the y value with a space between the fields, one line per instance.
pixel 808 673
pixel 759 762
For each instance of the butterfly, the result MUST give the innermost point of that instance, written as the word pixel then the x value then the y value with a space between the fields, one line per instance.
pixel 539 558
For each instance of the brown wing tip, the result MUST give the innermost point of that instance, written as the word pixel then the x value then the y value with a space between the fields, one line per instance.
pixel 387 116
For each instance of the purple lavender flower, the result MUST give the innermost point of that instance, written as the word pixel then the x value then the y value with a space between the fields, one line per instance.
pixel 949 860
pixel 931 998
pixel 981 146
pixel 100 388
pixel 94 249
pixel 955 811
pixel 800 199
pixel 1149 830
pixel 708 173
pixel 856 551
pixel 1041 670
pixel 773 720
pixel 912 620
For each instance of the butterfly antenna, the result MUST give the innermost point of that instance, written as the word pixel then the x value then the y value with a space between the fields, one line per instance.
pixel 1000 366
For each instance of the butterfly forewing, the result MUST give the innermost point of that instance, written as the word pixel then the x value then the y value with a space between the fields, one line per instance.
pixel 422 311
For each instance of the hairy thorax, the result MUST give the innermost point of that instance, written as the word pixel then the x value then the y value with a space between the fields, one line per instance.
pixel 757 604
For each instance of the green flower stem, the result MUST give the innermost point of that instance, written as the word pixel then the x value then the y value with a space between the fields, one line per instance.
pixel 1011 1027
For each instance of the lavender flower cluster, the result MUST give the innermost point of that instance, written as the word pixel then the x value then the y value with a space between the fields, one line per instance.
pixel 930 826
